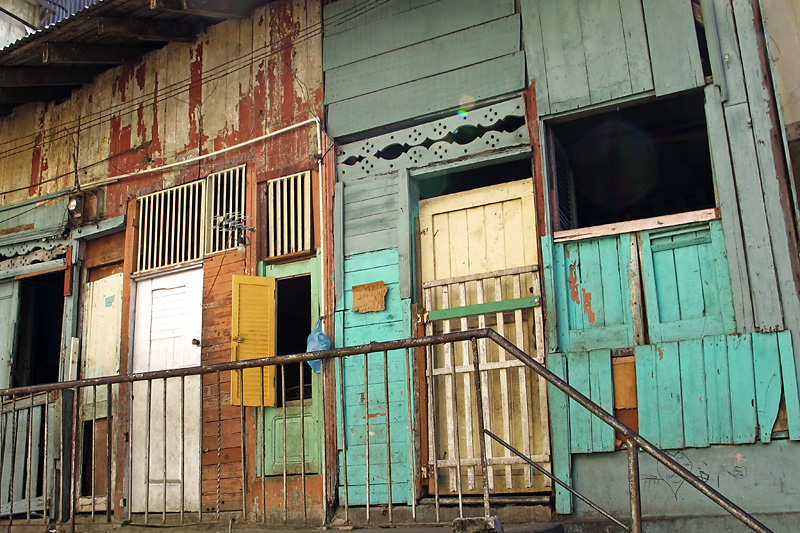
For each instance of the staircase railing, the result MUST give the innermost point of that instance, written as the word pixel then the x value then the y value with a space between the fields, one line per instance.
pixel 167 397
pixel 634 440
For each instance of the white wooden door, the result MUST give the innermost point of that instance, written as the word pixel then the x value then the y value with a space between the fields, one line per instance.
pixel 165 446
pixel 479 252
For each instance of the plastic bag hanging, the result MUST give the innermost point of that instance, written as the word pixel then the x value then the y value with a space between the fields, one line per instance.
pixel 317 341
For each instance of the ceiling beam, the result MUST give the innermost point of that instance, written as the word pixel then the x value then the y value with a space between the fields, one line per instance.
pixel 220 9
pixel 21 95
pixel 87 54
pixel 146 30
pixel 46 76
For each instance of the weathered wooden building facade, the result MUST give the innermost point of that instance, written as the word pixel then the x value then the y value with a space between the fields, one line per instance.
pixel 142 144
pixel 605 184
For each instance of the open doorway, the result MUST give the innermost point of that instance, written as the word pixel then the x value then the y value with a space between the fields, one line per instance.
pixel 38 349
pixel 294 325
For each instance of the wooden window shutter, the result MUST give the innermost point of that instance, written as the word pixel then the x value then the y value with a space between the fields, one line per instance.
pixel 253 337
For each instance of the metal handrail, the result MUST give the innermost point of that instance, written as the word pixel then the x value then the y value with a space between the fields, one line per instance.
pixel 632 436
pixel 470 335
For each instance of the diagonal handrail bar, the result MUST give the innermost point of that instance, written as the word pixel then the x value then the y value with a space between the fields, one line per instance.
pixel 630 434
pixel 554 478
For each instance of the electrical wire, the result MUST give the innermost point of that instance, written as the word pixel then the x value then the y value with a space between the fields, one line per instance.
pixel 182 86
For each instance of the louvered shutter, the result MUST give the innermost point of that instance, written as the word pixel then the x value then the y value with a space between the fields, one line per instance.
pixel 253 336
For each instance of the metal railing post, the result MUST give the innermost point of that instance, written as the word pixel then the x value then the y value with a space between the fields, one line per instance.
pixel 481 425
pixel 633 484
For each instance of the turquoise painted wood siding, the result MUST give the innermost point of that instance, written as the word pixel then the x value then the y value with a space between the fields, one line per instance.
pixel 722 389
pixel 390 63
pixel 362 416
pixel 367 251
pixel 593 293
pixel 560 454
pixel 686 282
pixel 582 53
pixel 590 373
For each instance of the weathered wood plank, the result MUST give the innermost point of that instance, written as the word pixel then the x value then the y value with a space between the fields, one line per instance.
pixel 370 242
pixel 647 393
pixel 694 394
pixel 409 27
pixel 613 276
pixel 564 55
pixel 639 66
pixel 490 78
pixel 670 399
pixel 560 439
pixel 549 266
pixel 743 389
pixel 405 236
pixel 724 292
pixel 718 392
pixel 790 389
pixel 767 313
pixel 534 52
pixel 767 370
pixel 338 249
pixel 673 46
pixel 605 50
pixel 774 180
pixel 345 14
pixel 386 204
pixel 431 57
pixel 370 260
pixel 602 389
pixel 580 419
pixel 731 225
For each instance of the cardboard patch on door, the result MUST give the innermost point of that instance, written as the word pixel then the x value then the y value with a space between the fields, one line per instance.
pixel 370 297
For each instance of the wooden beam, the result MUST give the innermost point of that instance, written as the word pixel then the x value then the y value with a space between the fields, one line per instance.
pixel 146 30
pixel 219 9
pixel 46 76
pixel 54 53
pixel 20 95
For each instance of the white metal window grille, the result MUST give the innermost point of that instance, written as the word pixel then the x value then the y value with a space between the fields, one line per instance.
pixel 170 226
pixel 183 223
pixel 226 209
pixel 289 215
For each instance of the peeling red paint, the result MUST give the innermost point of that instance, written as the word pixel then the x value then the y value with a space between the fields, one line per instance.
pixel 38 165
pixel 587 305
pixel 660 353
pixel 573 284
pixel 120 85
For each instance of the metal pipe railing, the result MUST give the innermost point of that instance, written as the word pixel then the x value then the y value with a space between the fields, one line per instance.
pixel 470 337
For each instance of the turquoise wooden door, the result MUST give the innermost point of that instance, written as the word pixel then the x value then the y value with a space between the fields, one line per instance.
pixel 593 280
pixel 686 282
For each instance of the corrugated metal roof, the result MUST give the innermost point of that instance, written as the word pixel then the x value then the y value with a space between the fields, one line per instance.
pixel 64 8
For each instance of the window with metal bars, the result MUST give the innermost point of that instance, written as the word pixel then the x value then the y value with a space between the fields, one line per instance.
pixel 184 223
pixel 288 215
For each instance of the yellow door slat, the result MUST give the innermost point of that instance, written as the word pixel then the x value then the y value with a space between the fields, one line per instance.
pixel 253 336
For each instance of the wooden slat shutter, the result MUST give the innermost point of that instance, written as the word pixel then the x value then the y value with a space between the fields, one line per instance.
pixel 253 337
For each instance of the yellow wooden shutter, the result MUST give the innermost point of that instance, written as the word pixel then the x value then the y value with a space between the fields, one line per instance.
pixel 253 337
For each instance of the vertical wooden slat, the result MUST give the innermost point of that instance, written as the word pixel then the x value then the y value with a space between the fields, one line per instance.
pixel 789 383
pixel 694 394
pixel 580 420
pixel 468 402
pixel 669 395
pixel 646 393
pixel 486 398
pixel 291 184
pixel 602 393
pixel 718 393
pixel 451 411
pixel 522 373
pixel 559 418
pixel 743 393
pixel 767 369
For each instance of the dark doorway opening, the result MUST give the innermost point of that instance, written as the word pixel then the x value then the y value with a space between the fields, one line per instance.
pixel 294 325
pixel 38 348
pixel 460 180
